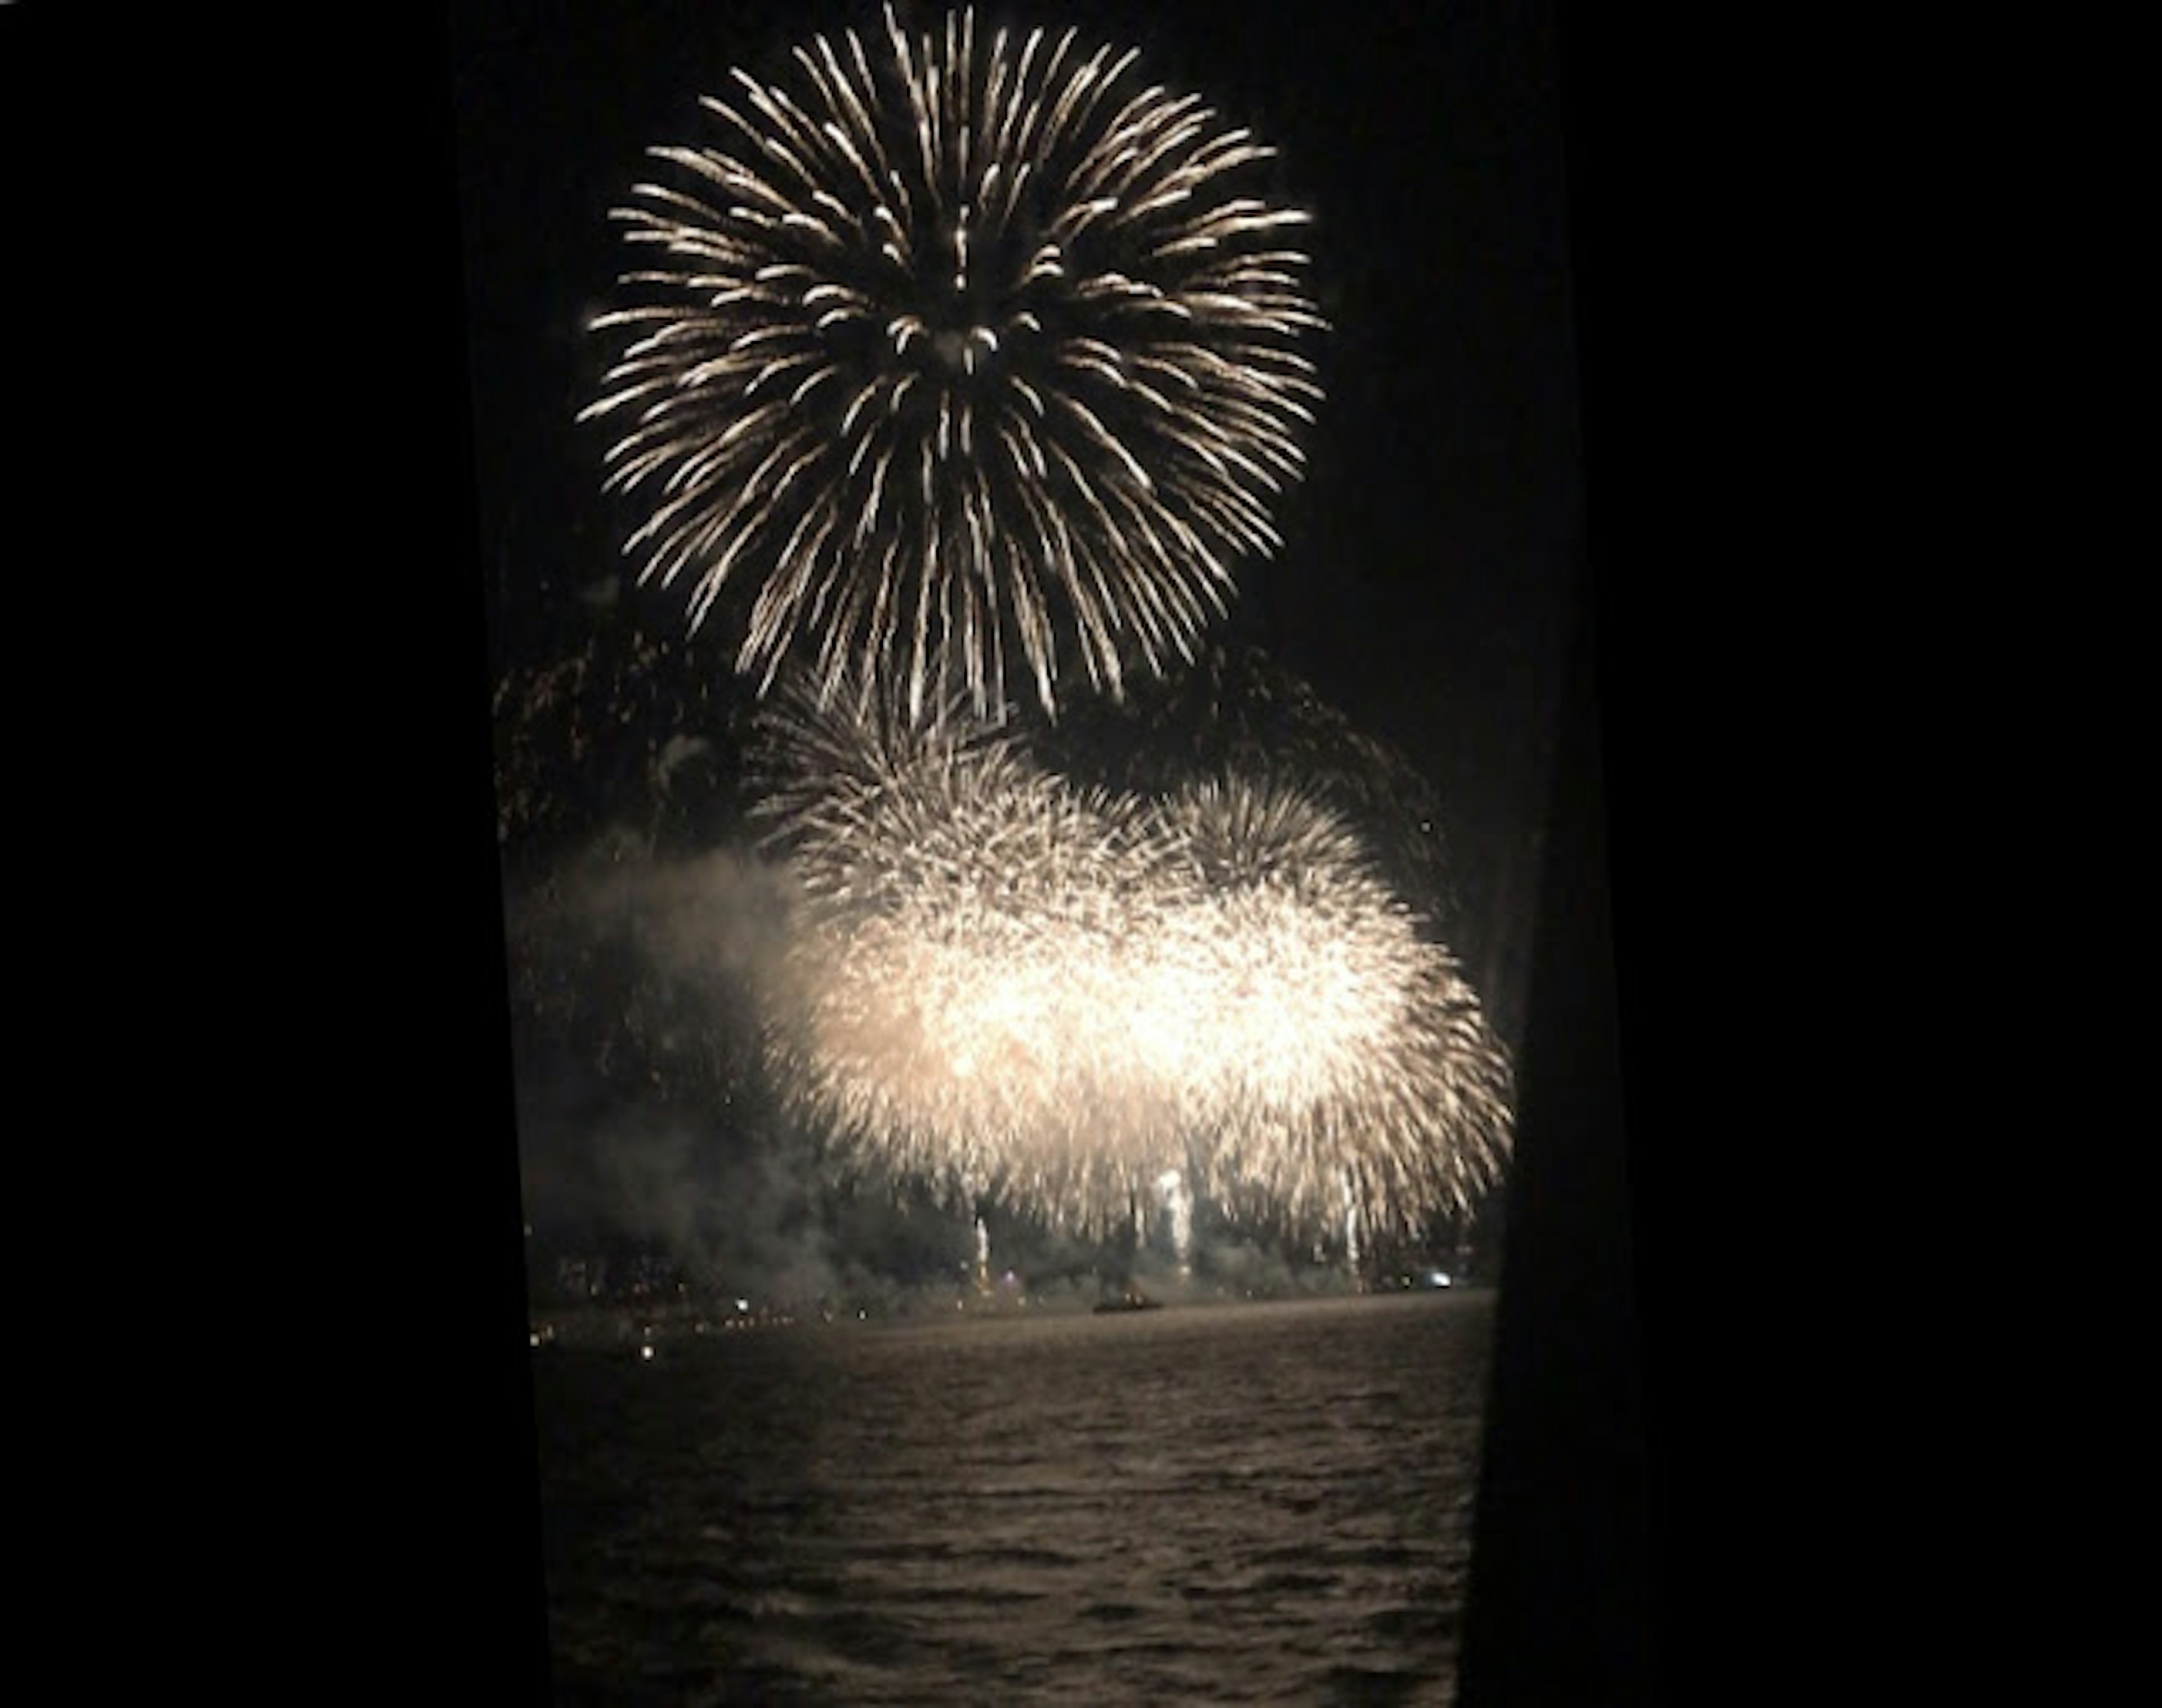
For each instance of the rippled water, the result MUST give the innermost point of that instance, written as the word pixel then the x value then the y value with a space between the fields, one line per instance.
pixel 1262 1503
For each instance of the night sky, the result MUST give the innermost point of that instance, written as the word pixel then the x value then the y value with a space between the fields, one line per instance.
pixel 1422 590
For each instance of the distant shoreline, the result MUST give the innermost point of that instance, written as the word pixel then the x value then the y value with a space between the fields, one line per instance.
pixel 630 1325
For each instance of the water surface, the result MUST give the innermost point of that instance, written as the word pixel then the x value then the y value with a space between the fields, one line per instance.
pixel 1256 1503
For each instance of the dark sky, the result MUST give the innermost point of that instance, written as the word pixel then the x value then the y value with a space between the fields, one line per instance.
pixel 1421 587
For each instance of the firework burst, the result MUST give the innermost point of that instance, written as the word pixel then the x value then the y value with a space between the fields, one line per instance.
pixel 969 355
pixel 1345 1064
pixel 1240 711
pixel 958 1000
pixel 1018 989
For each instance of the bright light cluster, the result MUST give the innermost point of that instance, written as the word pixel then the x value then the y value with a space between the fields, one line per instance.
pixel 961 349
pixel 973 362
pixel 1053 996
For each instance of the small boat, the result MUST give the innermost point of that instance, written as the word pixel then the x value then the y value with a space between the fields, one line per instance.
pixel 1132 1299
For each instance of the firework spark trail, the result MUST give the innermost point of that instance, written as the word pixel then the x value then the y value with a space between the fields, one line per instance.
pixel 961 347
pixel 1022 989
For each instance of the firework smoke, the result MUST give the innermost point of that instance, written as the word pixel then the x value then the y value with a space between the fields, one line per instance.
pixel 1054 997
pixel 959 351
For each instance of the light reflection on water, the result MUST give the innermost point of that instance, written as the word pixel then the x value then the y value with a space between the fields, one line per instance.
pixel 1266 1503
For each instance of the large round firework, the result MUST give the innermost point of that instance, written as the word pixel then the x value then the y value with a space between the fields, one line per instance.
pixel 972 353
